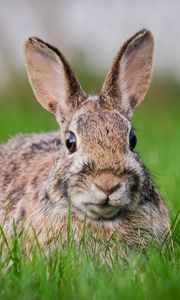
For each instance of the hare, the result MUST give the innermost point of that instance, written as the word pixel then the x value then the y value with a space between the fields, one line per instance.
pixel 92 162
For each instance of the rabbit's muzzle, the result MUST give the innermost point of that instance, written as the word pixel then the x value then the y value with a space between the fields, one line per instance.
pixel 107 196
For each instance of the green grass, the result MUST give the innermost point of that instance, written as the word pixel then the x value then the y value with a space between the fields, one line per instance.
pixel 74 272
pixel 71 272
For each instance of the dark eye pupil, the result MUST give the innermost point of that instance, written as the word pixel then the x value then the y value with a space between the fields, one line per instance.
pixel 132 140
pixel 71 142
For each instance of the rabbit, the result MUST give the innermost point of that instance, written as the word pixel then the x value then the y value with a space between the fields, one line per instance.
pixel 90 167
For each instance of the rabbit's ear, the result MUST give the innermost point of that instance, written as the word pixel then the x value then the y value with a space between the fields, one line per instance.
pixel 129 76
pixel 52 79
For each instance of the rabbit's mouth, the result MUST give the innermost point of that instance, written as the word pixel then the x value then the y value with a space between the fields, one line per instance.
pixel 97 204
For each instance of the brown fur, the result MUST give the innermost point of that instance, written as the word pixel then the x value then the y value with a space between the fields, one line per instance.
pixel 38 175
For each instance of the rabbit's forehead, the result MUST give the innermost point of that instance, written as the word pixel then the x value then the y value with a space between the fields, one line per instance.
pixel 102 123
pixel 103 135
pixel 95 125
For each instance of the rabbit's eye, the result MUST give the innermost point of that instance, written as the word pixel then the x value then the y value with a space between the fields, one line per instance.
pixel 132 140
pixel 71 142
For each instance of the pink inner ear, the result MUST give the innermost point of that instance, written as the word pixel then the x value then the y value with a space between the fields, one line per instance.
pixel 135 72
pixel 129 76
pixel 47 76
pixel 138 50
pixel 131 55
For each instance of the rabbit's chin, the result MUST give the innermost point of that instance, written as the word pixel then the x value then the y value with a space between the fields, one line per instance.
pixel 101 211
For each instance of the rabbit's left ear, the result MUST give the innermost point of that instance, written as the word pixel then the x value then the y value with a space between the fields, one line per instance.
pixel 52 79
pixel 130 74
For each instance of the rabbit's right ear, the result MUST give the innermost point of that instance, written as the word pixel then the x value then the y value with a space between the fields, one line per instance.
pixel 53 82
pixel 130 74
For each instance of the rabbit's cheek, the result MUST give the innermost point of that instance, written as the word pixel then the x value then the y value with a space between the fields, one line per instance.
pixel 121 196
pixel 125 196
pixel 98 196
pixel 80 200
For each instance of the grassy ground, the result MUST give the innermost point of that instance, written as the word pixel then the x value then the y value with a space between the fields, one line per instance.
pixel 71 272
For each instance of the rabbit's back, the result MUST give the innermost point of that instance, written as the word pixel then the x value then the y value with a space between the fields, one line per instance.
pixel 25 161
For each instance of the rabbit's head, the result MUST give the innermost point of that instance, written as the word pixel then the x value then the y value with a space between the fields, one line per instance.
pixel 103 173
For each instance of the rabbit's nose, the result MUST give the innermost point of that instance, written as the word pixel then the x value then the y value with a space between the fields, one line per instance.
pixel 107 182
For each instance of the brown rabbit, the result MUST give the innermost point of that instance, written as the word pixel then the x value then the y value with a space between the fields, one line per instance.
pixel 93 164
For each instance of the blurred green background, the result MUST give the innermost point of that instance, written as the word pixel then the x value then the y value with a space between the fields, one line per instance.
pixel 89 33
pixel 156 120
